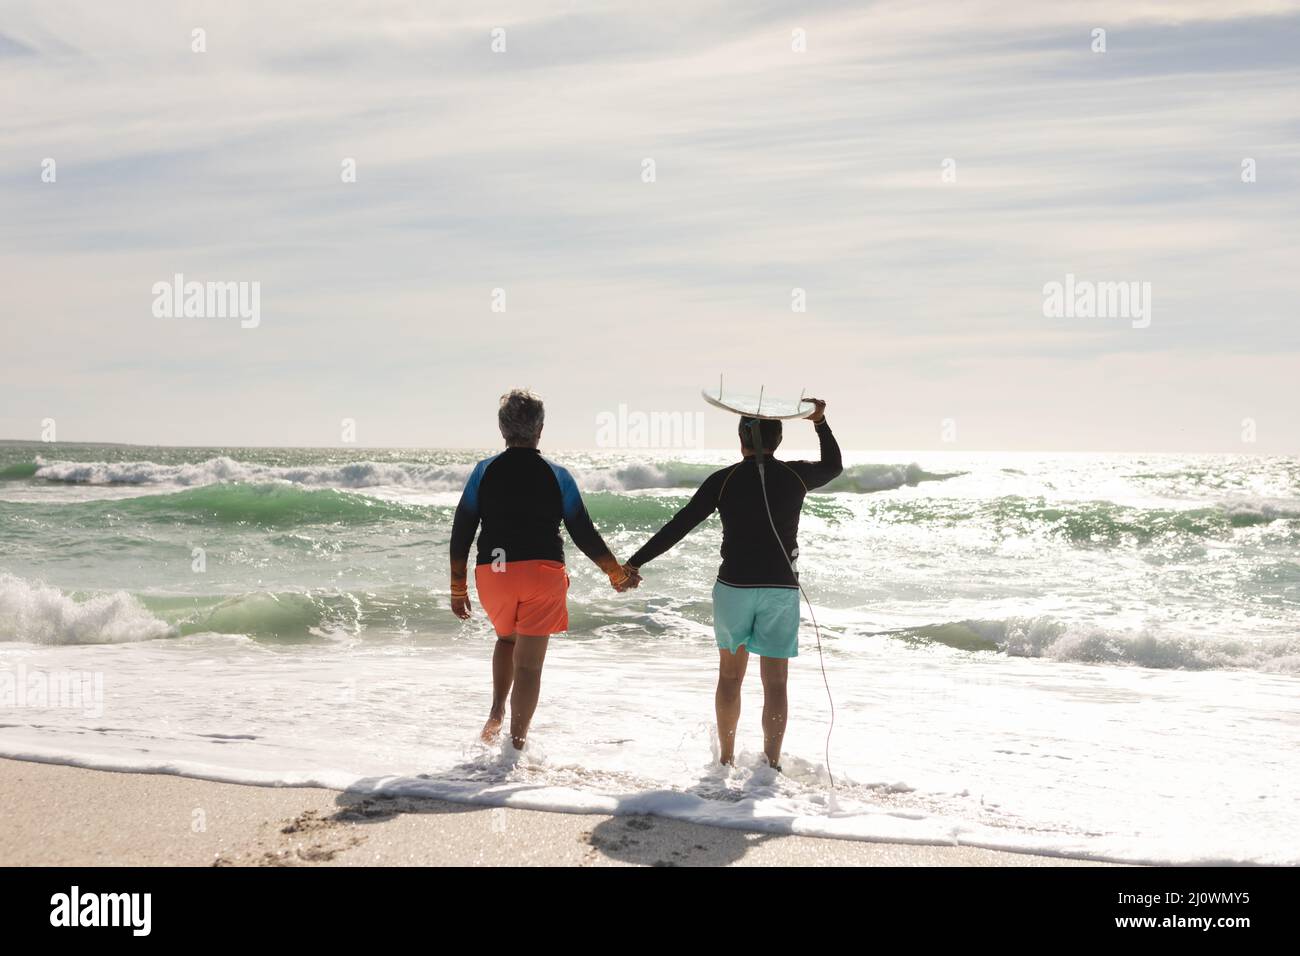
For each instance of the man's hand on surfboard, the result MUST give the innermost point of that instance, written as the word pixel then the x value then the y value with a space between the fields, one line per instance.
pixel 818 413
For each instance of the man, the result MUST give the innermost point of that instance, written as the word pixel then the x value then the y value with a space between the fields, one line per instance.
pixel 756 595
pixel 520 499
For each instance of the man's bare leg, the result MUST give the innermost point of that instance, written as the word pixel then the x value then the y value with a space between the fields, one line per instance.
pixel 503 675
pixel 726 702
pixel 530 653
pixel 774 670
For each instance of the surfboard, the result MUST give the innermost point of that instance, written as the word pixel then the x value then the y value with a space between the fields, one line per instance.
pixel 758 406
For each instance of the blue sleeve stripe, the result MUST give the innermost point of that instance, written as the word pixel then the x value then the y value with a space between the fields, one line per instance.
pixel 470 496
pixel 569 494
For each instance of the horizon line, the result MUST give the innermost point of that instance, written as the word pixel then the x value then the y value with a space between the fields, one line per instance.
pixel 653 449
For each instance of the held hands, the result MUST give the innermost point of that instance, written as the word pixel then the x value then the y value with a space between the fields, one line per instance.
pixel 818 414
pixel 624 578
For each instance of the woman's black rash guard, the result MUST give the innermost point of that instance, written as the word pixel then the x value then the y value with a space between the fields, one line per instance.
pixel 750 556
pixel 520 498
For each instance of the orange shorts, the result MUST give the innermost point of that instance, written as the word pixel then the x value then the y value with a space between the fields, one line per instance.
pixel 525 597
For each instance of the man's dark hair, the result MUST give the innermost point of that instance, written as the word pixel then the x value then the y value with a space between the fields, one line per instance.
pixel 769 432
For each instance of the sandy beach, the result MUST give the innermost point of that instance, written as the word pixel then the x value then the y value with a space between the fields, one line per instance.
pixel 67 816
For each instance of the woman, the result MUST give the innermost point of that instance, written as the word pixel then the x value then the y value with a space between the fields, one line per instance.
pixel 519 498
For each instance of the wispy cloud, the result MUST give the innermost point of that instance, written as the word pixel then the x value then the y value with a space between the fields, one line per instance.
pixel 775 169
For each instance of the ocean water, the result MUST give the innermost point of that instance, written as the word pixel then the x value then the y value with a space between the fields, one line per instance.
pixel 1086 655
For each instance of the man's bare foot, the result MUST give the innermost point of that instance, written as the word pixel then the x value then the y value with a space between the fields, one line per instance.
pixel 492 729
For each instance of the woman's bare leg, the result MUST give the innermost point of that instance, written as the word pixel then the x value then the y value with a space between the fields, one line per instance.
pixel 503 675
pixel 530 653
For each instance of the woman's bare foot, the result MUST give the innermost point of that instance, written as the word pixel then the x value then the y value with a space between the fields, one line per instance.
pixel 492 729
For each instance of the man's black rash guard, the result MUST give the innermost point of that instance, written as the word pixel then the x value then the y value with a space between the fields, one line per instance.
pixel 520 499
pixel 750 555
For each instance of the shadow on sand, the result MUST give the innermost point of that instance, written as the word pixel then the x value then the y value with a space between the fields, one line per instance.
pixel 623 834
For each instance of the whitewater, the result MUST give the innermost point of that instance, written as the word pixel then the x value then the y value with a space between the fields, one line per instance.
pixel 1084 655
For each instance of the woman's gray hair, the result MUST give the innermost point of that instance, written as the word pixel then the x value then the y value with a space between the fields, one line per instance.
pixel 521 417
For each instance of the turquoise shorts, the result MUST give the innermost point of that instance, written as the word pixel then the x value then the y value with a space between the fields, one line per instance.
pixel 765 620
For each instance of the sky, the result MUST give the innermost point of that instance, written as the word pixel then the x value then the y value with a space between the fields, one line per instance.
pixel 921 171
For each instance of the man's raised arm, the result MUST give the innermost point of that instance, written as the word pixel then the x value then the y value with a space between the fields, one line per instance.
pixel 817 473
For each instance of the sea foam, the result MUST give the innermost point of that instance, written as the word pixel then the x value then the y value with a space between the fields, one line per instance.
pixel 40 614
pixel 428 477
